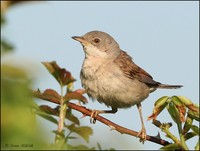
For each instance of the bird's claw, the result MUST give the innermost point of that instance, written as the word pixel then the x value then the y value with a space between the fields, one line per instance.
pixel 142 135
pixel 93 116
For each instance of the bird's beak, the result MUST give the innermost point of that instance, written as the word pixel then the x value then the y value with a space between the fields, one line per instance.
pixel 80 39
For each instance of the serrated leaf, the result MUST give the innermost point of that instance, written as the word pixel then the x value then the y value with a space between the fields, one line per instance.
pixel 71 117
pixel 47 117
pixel 189 135
pixel 171 147
pixel 49 95
pixel 159 105
pixel 55 111
pixel 49 110
pixel 63 76
pixel 83 131
pixel 75 96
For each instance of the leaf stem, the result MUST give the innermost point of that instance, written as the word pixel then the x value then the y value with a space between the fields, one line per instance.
pixel 170 135
pixel 182 139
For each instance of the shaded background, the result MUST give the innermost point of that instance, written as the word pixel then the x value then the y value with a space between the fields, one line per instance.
pixel 162 38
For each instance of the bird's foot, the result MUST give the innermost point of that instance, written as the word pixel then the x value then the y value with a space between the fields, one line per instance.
pixel 142 135
pixel 93 116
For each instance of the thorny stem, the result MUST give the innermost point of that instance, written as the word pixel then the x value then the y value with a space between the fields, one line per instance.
pixel 87 112
pixel 62 114
pixel 122 130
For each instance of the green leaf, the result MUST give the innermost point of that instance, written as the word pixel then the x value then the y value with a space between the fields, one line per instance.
pixel 6 47
pixel 171 147
pixel 71 117
pixel 180 106
pixel 159 105
pixel 63 76
pixel 71 137
pixel 195 129
pixel 55 111
pixel 47 117
pixel 49 110
pixel 75 95
pixel 59 140
pixel 99 146
pixel 189 135
pixel 197 146
pixel 187 124
pixel 83 131
pixel 49 95
pixel 61 134
pixel 189 103
pixel 10 71
pixel 193 115
pixel 174 113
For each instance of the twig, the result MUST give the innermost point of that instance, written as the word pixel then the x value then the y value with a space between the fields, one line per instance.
pixel 123 130
pixel 87 112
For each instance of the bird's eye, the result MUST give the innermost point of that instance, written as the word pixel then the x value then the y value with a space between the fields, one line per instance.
pixel 97 40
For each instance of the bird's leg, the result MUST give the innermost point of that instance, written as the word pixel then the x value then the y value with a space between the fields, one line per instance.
pixel 143 130
pixel 95 113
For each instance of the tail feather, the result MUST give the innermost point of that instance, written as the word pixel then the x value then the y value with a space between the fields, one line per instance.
pixel 167 86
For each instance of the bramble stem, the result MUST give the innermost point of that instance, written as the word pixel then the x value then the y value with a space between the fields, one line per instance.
pixel 63 107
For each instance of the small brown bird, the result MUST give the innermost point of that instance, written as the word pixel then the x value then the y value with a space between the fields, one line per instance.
pixel 110 76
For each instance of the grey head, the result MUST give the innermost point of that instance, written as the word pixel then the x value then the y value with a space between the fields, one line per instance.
pixel 98 44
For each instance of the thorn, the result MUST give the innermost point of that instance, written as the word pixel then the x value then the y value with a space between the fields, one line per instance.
pixel 158 136
pixel 112 127
pixel 79 103
pixel 84 115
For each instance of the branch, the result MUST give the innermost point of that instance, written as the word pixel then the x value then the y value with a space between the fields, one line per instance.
pixel 86 112
pixel 122 130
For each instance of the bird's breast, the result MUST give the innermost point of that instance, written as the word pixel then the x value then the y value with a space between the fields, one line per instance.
pixel 106 83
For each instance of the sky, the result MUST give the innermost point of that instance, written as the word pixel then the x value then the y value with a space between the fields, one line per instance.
pixel 161 37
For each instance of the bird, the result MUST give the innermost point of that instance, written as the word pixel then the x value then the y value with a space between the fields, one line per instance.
pixel 110 76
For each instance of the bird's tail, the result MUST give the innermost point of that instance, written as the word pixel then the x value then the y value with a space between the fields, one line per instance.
pixel 167 86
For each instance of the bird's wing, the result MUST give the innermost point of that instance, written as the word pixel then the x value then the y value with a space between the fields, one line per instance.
pixel 131 70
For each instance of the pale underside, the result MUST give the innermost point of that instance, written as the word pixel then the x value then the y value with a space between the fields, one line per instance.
pixel 104 81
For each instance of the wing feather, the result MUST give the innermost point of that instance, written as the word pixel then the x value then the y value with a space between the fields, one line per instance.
pixel 131 70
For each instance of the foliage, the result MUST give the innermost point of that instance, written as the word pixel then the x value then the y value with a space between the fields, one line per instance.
pixel 18 124
pixel 182 112
pixel 65 129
